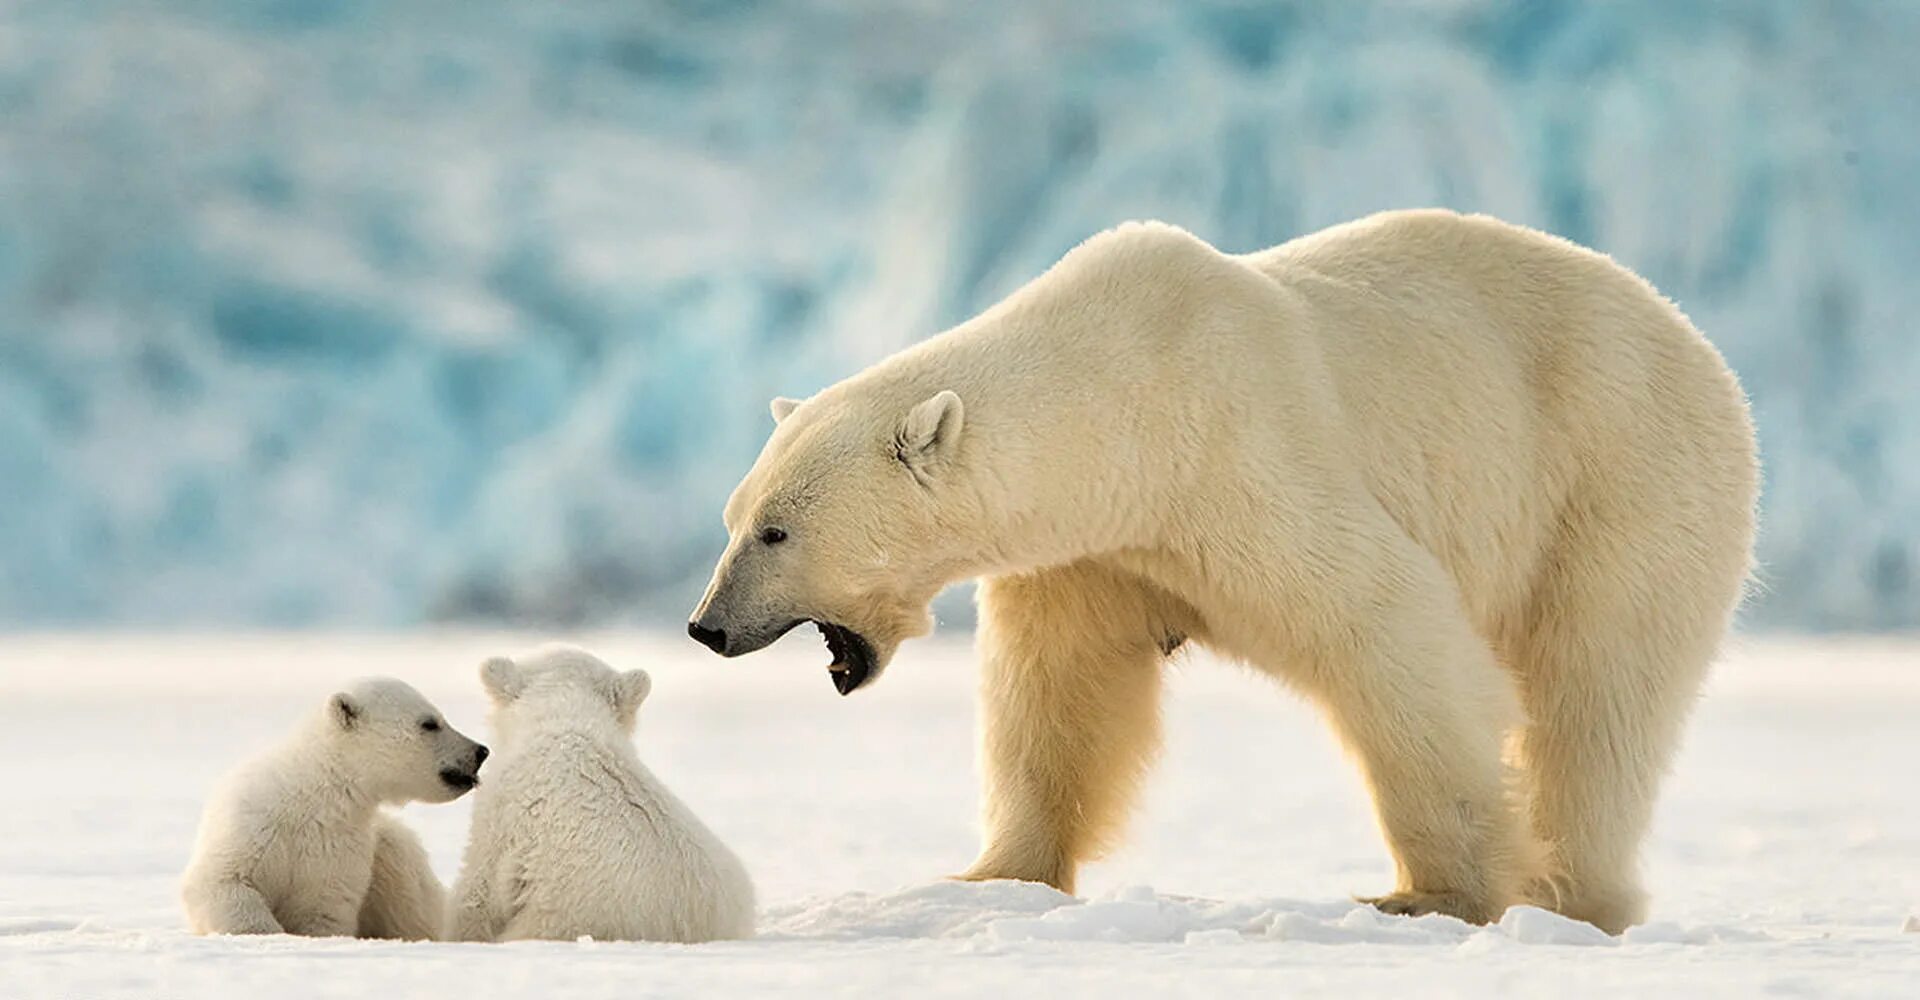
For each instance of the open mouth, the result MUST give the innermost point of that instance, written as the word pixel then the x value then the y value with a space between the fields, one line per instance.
pixel 852 664
pixel 459 780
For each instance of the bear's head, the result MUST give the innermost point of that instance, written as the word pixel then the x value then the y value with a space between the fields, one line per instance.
pixel 561 683
pixel 397 745
pixel 854 516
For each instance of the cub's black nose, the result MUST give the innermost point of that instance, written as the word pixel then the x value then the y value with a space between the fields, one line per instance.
pixel 479 757
pixel 712 638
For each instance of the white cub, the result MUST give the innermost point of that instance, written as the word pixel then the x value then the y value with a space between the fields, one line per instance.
pixel 573 837
pixel 296 841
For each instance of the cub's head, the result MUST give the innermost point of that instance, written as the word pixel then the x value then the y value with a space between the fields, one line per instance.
pixel 854 516
pixel 560 682
pixel 399 745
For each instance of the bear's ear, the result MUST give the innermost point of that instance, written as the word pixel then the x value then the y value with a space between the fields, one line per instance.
pixel 782 407
pixel 929 434
pixel 345 710
pixel 629 690
pixel 501 677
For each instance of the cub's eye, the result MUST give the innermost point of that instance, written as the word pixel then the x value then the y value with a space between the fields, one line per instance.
pixel 772 536
pixel 430 725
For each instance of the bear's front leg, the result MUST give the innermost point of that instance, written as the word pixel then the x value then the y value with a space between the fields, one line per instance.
pixel 327 889
pixel 227 906
pixel 1070 717
pixel 323 916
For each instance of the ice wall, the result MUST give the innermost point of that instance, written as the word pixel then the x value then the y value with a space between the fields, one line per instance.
pixel 371 314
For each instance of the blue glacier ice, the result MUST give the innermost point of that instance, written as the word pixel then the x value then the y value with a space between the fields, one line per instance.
pixel 358 313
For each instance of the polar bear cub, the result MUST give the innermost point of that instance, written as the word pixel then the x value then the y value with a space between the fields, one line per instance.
pixel 296 840
pixel 573 837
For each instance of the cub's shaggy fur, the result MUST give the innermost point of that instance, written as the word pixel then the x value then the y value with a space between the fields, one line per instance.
pixel 572 836
pixel 296 840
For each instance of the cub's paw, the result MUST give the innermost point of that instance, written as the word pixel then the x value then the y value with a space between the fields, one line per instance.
pixel 1414 903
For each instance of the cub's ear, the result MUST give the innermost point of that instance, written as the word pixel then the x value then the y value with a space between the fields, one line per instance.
pixel 501 677
pixel 629 690
pixel 345 710
pixel 782 407
pixel 930 434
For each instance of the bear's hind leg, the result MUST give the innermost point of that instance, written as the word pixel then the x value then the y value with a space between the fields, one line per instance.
pixel 1415 695
pixel 1607 676
pixel 1070 716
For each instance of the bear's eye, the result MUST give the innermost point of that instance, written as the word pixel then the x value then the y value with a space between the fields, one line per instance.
pixel 430 725
pixel 772 536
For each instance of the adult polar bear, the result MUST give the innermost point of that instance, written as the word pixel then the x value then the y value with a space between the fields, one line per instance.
pixel 1451 478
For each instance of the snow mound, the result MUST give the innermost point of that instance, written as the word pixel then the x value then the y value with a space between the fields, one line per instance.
pixel 1025 912
pixel 1533 925
pixel 1365 925
pixel 940 910
pixel 1131 916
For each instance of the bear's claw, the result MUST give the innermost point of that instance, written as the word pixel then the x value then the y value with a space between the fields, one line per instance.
pixel 1414 903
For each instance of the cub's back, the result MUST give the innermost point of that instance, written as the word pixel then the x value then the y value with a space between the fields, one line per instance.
pixel 602 849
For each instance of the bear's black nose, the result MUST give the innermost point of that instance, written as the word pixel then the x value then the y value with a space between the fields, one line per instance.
pixel 712 638
pixel 479 756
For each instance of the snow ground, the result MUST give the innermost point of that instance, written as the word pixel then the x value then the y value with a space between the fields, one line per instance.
pixel 1786 859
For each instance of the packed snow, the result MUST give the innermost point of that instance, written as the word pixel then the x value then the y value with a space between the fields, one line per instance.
pixel 360 315
pixel 1786 858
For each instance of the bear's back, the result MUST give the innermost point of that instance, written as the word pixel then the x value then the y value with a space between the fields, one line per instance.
pixel 1478 368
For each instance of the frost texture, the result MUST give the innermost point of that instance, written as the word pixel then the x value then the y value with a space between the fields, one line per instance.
pixel 357 313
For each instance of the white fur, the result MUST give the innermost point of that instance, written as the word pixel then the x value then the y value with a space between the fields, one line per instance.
pixel 1455 480
pixel 296 841
pixel 572 836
